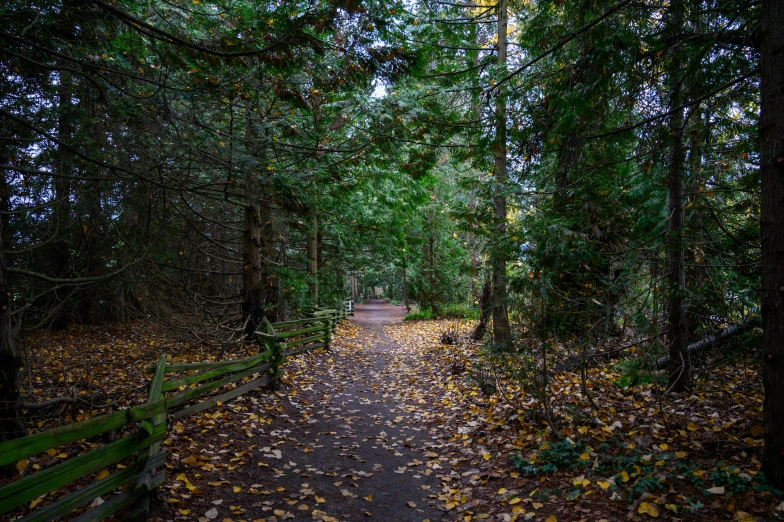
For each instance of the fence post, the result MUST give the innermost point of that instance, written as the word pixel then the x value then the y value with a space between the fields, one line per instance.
pixel 140 509
pixel 327 332
pixel 276 348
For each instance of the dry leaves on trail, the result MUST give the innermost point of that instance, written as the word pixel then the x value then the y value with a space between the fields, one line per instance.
pixel 639 453
pixel 452 423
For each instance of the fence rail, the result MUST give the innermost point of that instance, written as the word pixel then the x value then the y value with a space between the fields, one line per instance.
pixel 147 472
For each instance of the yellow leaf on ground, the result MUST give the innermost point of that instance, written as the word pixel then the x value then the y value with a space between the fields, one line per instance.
pixel 585 456
pixel 742 516
pixel 237 489
pixel 664 447
pixel 692 427
pixel 319 499
pixel 551 518
pixel 603 485
pixel 103 474
pixel 650 509
pixel 35 502
pixel 486 456
pixel 185 512
pixel 22 465
pixel 681 454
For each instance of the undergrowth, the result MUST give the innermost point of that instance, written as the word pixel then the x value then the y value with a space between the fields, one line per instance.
pixel 631 473
pixel 450 311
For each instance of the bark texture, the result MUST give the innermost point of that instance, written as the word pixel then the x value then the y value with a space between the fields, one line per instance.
pixel 11 426
pixel 502 333
pixel 772 225
pixel 679 369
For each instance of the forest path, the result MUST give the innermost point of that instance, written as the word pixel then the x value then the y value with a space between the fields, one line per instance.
pixel 338 442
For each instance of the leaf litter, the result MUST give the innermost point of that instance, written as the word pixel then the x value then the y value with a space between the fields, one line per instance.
pixel 393 401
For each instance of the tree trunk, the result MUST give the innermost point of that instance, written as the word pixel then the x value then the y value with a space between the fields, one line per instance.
pixel 432 270
pixel 11 426
pixel 405 292
pixel 313 260
pixel 61 251
pixel 252 293
pixel 272 296
pixel 771 129
pixel 502 334
pixel 679 368
pixel 92 310
pixel 485 304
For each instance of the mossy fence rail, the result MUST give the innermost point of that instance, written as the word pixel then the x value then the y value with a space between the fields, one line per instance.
pixel 148 471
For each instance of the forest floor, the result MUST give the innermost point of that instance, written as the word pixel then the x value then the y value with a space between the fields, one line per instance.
pixel 393 425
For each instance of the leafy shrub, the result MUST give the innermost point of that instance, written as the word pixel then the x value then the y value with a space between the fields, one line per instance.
pixel 555 456
pixel 633 373
pixel 450 311
pixel 459 311
pixel 421 315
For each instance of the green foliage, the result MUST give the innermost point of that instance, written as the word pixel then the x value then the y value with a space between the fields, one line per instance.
pixel 551 457
pixel 635 373
pixel 296 289
pixel 421 315
pixel 450 311
pixel 458 311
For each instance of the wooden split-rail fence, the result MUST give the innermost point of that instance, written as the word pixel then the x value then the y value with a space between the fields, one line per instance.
pixel 148 471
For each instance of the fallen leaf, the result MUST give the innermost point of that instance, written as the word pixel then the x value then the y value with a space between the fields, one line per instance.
pixel 646 508
pixel 22 465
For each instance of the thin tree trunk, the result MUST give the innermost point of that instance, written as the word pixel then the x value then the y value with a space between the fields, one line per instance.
pixel 11 426
pixel 485 305
pixel 432 270
pixel 313 260
pixel 772 223
pixel 679 369
pixel 272 296
pixel 405 292
pixel 502 334
pixel 252 302
pixel 61 251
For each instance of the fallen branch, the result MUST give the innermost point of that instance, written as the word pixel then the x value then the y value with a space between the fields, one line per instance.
pixel 713 340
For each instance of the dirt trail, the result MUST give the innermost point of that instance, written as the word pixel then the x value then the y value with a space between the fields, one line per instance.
pixel 340 445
